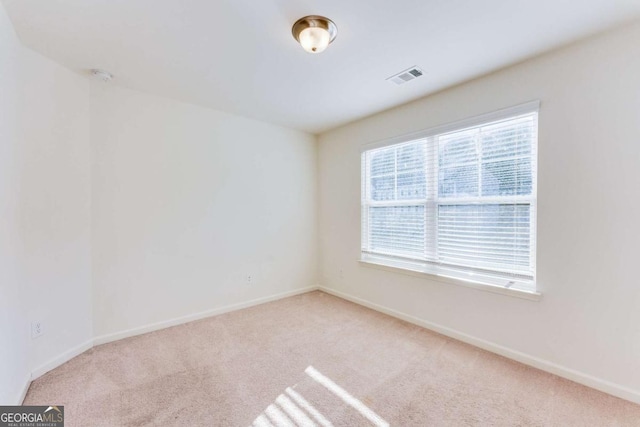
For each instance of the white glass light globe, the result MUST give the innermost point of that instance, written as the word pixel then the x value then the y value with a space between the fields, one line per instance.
pixel 314 39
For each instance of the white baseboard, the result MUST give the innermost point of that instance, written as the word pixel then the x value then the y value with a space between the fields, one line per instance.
pixel 70 354
pixel 544 365
pixel 62 358
pixel 23 392
pixel 103 339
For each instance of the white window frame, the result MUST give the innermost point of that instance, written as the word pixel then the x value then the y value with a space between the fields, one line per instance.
pixel 476 278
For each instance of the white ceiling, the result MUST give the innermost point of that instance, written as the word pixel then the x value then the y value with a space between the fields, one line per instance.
pixel 239 56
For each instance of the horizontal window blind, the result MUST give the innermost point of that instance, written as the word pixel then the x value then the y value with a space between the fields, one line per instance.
pixel 462 202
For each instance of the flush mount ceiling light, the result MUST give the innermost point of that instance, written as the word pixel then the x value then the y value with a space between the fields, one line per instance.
pixel 314 33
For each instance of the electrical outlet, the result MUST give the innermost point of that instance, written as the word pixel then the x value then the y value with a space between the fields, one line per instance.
pixel 37 329
pixel 249 279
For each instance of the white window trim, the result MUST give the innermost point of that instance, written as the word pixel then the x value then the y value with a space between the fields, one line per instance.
pixel 528 107
pixel 420 270
pixel 424 269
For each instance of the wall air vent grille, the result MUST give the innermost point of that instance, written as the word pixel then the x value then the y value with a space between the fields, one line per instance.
pixel 406 75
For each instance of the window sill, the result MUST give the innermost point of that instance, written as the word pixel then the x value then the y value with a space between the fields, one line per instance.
pixel 415 270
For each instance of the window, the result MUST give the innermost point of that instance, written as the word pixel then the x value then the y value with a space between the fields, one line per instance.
pixel 458 201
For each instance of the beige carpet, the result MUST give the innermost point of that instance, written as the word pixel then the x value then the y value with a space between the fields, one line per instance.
pixel 313 359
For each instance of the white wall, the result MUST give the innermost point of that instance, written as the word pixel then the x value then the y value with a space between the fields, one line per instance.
pixel 55 202
pixel 44 211
pixel 14 366
pixel 588 212
pixel 187 201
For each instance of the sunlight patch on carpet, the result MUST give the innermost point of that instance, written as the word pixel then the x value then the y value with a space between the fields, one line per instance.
pixel 316 407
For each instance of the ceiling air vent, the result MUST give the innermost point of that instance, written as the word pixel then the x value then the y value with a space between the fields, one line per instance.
pixel 406 75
